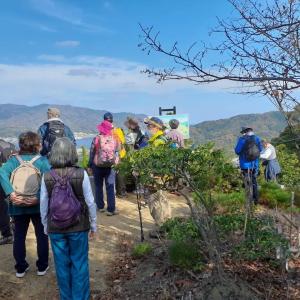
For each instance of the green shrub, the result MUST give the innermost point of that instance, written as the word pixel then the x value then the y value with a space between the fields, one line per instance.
pixel 231 203
pixel 180 229
pixel 290 167
pixel 261 245
pixel 141 250
pixel 261 239
pixel 185 255
pixel 271 194
pixel 84 159
pixel 227 224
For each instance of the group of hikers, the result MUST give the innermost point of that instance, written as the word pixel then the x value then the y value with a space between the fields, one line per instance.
pixel 42 183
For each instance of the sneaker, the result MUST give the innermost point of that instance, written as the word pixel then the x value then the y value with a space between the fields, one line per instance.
pixel 110 214
pixel 6 240
pixel 102 210
pixel 21 275
pixel 42 273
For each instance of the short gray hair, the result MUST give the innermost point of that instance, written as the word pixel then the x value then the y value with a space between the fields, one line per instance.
pixel 63 154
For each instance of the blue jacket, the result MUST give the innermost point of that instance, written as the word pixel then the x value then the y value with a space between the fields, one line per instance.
pixel 244 164
pixel 43 132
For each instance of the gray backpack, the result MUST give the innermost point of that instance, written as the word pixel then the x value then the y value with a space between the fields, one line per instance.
pixel 26 181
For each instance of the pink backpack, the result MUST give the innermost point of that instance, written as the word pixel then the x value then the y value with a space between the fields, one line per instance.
pixel 106 148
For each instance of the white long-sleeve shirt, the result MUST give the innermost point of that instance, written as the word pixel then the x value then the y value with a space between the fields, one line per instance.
pixel 269 153
pixel 88 197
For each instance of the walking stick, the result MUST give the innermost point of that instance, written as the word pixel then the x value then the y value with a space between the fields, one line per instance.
pixel 138 200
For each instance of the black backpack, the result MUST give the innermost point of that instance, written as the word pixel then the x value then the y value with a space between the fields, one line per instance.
pixel 6 150
pixel 251 150
pixel 55 129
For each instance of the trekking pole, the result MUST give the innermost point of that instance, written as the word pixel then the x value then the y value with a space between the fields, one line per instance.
pixel 249 195
pixel 138 200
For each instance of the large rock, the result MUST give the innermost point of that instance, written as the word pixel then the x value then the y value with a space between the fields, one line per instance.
pixel 159 207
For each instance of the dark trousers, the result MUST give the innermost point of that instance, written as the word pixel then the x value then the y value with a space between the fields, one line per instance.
pixel 4 219
pixel 252 173
pixel 120 184
pixel 21 228
pixel 107 175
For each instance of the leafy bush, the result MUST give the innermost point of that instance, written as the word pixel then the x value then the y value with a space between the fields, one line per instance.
pixel 261 240
pixel 230 203
pixel 227 224
pixel 261 245
pixel 141 250
pixel 84 159
pixel 185 255
pixel 181 229
pixel 290 167
pixel 206 167
pixel 271 194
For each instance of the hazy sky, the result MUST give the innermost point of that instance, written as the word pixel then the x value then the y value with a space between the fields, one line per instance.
pixel 85 53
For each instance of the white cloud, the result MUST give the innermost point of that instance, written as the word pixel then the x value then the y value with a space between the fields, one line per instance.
pixel 51 58
pixel 87 81
pixel 67 13
pixel 67 44
pixel 71 83
pixel 88 72
pixel 117 85
pixel 32 24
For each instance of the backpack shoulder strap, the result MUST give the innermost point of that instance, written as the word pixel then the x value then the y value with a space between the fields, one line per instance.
pixel 54 175
pixel 19 159
pixel 71 173
pixel 36 158
pixel 98 142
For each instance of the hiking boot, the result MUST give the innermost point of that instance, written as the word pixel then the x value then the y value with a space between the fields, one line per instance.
pixel 42 273
pixel 110 214
pixel 6 240
pixel 21 275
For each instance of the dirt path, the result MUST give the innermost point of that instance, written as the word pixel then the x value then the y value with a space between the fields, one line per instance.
pixel 102 253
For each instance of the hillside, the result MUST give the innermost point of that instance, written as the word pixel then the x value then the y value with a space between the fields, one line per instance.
pixel 17 118
pixel 224 132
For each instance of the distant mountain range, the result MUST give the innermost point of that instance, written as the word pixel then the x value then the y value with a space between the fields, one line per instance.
pixel 17 118
pixel 225 132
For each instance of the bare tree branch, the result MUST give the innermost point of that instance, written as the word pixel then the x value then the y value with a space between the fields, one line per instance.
pixel 260 50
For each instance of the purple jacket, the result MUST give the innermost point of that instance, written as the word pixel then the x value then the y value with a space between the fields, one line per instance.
pixel 176 136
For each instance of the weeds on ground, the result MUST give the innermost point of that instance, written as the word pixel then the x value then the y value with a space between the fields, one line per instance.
pixel 272 195
pixel 185 255
pixel 184 249
pixel 230 203
pixel 141 250
pixel 260 243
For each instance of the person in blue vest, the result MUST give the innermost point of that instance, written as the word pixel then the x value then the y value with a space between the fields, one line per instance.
pixel 248 148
